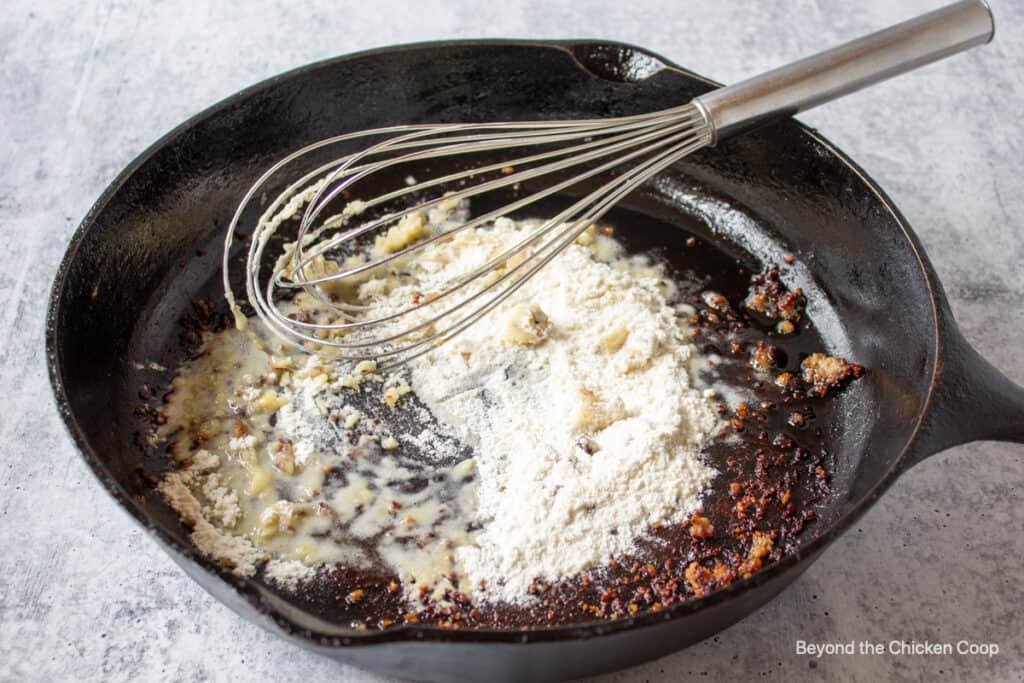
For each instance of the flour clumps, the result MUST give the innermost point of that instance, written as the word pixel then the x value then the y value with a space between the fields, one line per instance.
pixel 576 397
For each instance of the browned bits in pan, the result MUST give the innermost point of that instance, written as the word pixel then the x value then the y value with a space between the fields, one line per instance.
pixel 770 298
pixel 702 580
pixel 761 545
pixel 786 380
pixel 783 442
pixel 824 372
pixel 701 527
pixel 790 305
pixel 765 357
pixel 715 301
pixel 784 327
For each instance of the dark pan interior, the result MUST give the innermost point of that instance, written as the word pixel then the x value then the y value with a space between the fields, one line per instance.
pixel 153 241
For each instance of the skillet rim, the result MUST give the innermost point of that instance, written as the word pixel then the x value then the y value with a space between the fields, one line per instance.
pixel 253 593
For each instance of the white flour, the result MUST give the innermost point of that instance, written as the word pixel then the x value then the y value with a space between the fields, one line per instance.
pixel 576 397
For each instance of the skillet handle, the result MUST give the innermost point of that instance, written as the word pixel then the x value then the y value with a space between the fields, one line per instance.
pixel 972 400
pixel 831 74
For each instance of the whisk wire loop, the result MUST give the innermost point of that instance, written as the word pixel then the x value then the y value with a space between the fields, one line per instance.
pixel 626 151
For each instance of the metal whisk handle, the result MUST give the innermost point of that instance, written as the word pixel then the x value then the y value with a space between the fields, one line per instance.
pixel 825 76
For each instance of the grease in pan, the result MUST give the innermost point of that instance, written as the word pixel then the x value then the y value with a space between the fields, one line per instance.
pixel 547 466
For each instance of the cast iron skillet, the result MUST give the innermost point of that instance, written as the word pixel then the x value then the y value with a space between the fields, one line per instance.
pixel 151 244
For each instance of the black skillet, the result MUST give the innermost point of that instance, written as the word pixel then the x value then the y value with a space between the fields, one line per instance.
pixel 151 244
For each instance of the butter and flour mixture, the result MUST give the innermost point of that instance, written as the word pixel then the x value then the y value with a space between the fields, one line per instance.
pixel 542 441
pixel 576 399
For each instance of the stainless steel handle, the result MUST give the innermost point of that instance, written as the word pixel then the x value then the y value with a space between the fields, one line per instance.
pixel 825 76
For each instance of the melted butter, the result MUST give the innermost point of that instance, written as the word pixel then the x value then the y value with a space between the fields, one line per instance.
pixel 317 490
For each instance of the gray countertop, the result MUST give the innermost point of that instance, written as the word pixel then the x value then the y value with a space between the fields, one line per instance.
pixel 84 87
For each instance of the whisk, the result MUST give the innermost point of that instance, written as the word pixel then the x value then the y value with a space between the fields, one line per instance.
pixel 553 157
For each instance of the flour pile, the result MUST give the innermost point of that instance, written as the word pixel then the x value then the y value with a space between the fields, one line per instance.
pixel 542 441
pixel 575 395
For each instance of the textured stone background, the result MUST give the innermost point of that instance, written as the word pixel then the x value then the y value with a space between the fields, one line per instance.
pixel 85 86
